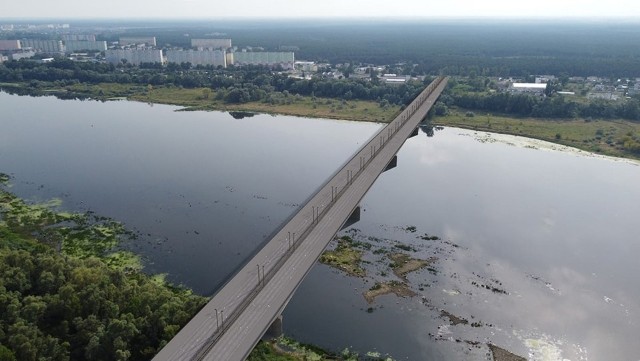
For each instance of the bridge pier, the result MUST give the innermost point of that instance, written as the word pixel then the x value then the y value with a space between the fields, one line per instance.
pixel 392 163
pixel 414 133
pixel 274 331
pixel 353 218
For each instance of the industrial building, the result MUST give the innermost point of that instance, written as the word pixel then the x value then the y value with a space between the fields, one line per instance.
pixel 72 46
pixel 530 88
pixel 134 56
pixel 272 59
pixel 211 43
pixel 198 57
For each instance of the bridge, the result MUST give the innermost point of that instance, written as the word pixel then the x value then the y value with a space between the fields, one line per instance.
pixel 252 301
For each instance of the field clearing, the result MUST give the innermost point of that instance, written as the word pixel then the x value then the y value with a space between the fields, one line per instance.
pixel 598 136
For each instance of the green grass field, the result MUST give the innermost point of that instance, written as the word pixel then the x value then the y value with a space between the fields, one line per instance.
pixel 599 136
pixel 198 99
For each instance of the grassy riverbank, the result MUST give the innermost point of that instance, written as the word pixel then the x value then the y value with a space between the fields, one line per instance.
pixel 613 138
pixel 598 136
pixel 207 99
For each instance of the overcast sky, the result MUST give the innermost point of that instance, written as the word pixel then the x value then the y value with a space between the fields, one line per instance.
pixel 318 8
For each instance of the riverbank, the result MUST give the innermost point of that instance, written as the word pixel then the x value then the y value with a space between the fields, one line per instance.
pixel 208 100
pixel 609 138
pixel 596 136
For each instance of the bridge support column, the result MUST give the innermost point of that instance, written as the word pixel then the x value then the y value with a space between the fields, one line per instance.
pixel 414 133
pixel 392 163
pixel 274 331
pixel 353 218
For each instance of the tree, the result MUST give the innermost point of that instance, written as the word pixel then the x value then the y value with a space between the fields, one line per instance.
pixel 206 93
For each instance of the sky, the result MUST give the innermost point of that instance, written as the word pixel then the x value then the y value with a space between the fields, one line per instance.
pixel 215 9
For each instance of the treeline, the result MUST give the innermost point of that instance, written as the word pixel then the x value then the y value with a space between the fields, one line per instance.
pixel 483 94
pixel 234 84
pixel 555 106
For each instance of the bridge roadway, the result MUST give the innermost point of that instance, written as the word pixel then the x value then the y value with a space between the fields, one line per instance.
pixel 236 318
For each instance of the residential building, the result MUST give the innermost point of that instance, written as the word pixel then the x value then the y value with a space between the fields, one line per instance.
pixel 272 59
pixel 131 40
pixel 198 57
pixel 9 45
pixel 133 56
pixel 43 46
pixel 78 37
pixel 72 46
pixel 211 43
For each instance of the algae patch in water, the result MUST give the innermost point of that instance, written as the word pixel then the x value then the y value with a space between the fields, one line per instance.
pixel 79 235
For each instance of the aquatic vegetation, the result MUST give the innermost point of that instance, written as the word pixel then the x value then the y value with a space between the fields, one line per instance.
pixel 72 295
pixel 345 258
pixel 79 235
pixel 402 264
pixel 400 289
pixel 4 178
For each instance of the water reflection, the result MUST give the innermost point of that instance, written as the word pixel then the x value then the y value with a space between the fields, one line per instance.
pixel 553 230
pixel 544 251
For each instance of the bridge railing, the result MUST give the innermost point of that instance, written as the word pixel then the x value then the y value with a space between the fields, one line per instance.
pixel 318 212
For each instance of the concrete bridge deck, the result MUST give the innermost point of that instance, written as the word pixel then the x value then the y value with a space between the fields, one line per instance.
pixel 239 314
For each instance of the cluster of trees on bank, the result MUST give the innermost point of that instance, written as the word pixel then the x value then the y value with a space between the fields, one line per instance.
pixel 237 84
pixel 68 299
pixel 481 94
pixel 552 107
pixel 59 308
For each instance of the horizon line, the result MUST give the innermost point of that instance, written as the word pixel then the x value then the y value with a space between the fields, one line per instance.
pixel 327 18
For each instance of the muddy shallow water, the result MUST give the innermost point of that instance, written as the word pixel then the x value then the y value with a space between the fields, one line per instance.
pixel 537 248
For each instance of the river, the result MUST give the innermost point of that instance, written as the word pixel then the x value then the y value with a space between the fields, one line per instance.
pixel 536 247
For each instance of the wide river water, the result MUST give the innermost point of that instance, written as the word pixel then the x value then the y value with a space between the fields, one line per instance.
pixel 537 251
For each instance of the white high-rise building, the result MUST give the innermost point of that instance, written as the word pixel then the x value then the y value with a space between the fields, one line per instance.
pixel 211 43
pixel 134 56
pixel 284 59
pixel 9 45
pixel 72 46
pixel 132 40
pixel 44 46
pixel 198 57
pixel 78 37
